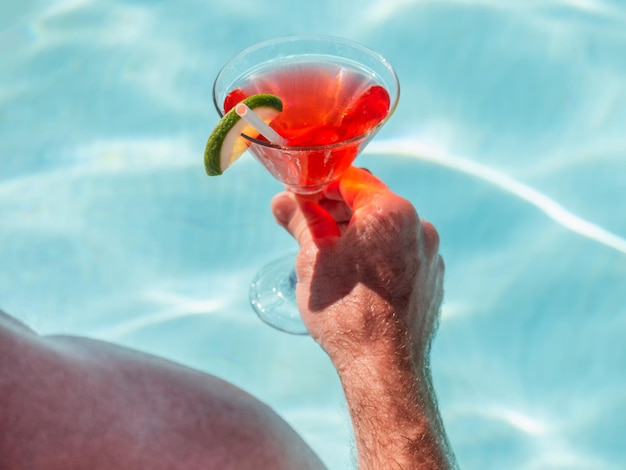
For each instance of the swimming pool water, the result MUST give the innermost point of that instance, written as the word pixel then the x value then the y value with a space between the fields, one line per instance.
pixel 510 137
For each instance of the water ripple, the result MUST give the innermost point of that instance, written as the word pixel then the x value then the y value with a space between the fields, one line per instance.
pixel 554 210
pixel 176 307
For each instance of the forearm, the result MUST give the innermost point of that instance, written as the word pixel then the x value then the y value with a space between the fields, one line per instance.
pixel 394 414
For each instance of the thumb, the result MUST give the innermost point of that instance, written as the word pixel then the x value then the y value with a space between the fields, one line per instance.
pixel 304 219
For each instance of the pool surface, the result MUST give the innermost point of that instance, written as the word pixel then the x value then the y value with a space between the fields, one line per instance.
pixel 510 137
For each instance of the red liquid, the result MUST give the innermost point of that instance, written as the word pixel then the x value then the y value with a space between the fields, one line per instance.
pixel 323 104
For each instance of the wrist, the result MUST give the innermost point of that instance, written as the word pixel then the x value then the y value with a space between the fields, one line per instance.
pixel 394 412
pixel 387 381
pixel 389 349
pixel 394 415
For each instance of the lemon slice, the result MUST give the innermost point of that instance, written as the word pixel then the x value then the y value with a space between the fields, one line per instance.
pixel 225 144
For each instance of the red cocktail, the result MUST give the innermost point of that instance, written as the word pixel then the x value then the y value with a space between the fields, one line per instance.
pixel 335 94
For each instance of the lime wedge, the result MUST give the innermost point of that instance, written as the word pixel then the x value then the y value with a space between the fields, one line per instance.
pixel 225 144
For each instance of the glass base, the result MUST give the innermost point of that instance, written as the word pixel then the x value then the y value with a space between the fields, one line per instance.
pixel 273 296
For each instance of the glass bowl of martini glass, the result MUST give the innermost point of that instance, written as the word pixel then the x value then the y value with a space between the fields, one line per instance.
pixel 336 95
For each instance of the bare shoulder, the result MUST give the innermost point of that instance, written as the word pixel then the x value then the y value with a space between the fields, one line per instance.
pixel 80 403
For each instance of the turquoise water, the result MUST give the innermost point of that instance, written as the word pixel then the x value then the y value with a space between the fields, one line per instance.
pixel 510 136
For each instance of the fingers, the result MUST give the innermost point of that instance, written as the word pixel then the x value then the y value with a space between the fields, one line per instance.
pixel 337 209
pixel 283 206
pixel 315 219
pixel 431 237
pixel 356 187
pixel 304 219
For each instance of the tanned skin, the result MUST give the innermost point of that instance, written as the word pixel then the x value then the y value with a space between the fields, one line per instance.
pixel 69 403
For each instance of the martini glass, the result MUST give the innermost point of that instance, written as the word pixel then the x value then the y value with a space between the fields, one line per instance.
pixel 333 106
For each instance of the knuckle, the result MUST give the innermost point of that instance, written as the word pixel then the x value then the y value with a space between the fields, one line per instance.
pixel 431 237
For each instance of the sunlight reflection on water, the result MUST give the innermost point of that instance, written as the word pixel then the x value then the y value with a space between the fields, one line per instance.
pixel 509 137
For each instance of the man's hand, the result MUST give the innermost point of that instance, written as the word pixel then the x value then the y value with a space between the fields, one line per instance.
pixel 369 273
pixel 369 292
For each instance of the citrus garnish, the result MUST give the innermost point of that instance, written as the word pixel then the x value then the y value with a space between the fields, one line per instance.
pixel 226 144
